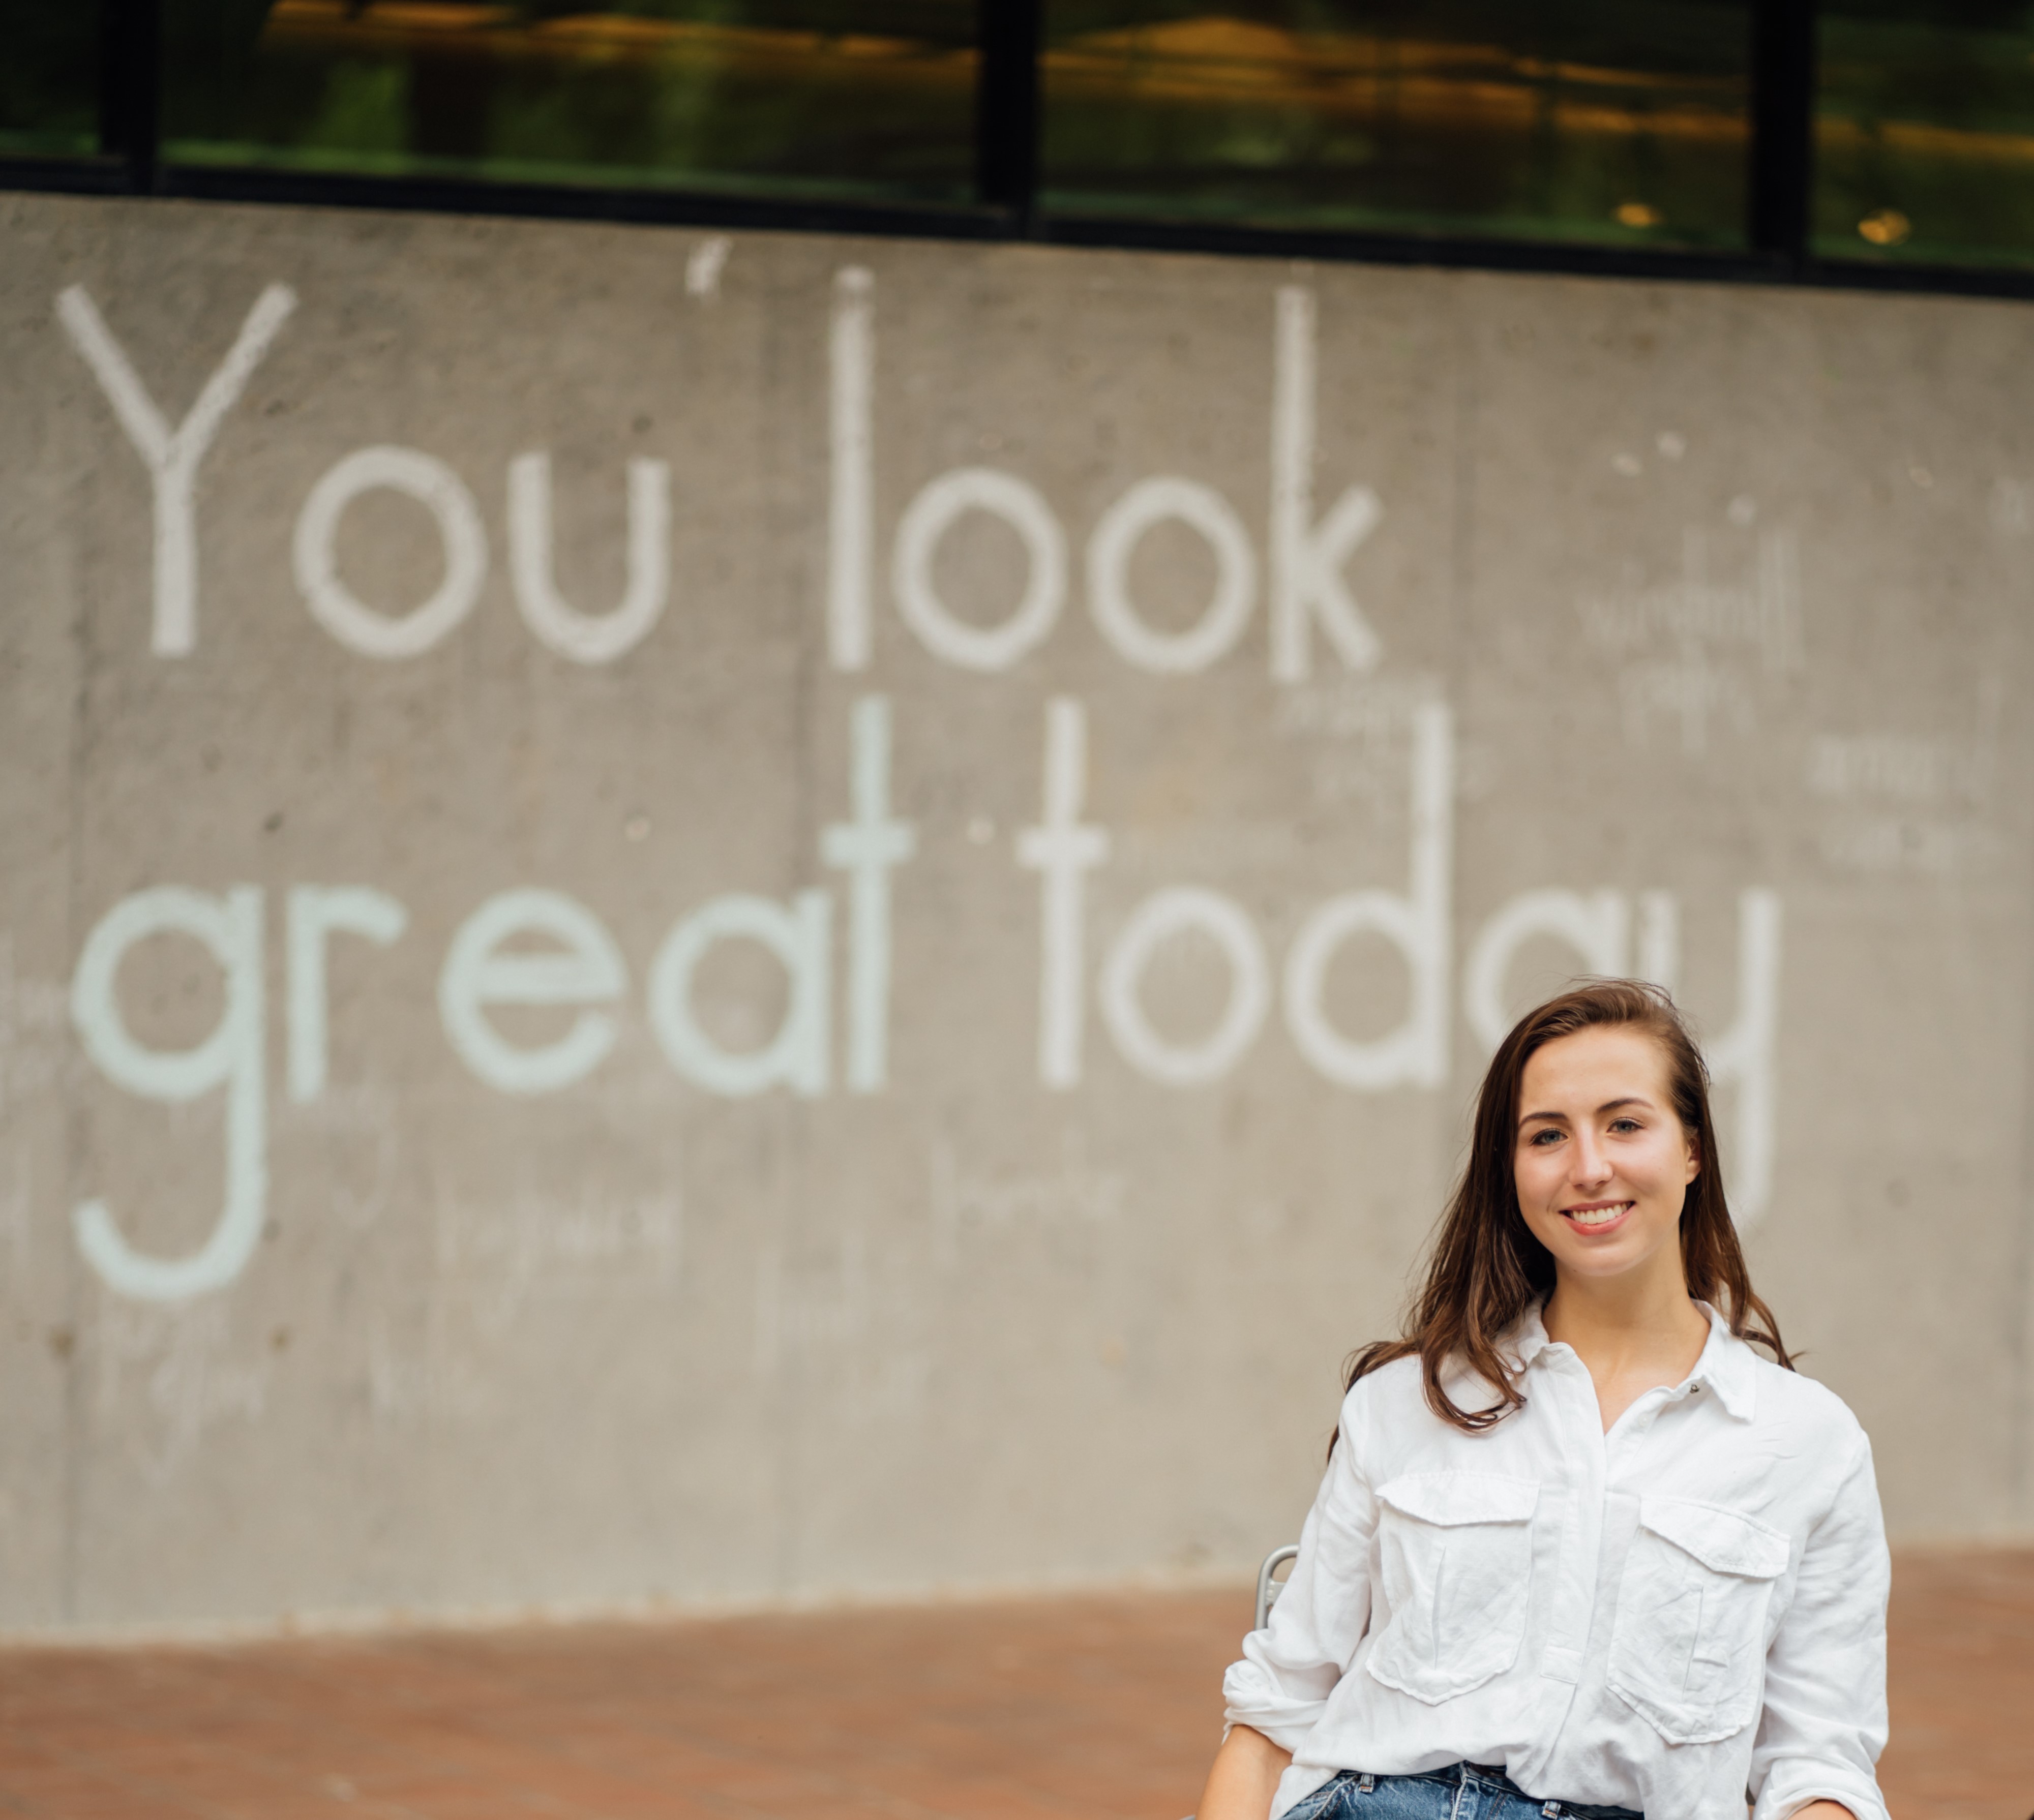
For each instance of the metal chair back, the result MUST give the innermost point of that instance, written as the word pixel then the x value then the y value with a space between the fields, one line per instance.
pixel 1269 1589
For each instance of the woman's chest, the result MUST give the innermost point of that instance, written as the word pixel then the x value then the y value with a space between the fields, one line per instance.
pixel 1658 1561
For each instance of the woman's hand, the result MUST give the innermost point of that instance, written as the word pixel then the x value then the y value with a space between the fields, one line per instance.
pixel 1245 1777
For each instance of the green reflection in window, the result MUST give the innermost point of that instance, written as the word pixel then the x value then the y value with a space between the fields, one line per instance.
pixel 1624 121
pixel 871 99
pixel 1924 132
pixel 49 79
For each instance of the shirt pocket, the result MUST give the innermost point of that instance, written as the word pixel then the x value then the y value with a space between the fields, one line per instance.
pixel 1455 1553
pixel 1688 1644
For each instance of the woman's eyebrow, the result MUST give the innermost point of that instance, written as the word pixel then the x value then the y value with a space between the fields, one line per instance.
pixel 1607 1105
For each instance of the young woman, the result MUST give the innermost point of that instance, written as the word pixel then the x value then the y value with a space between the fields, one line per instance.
pixel 1580 1550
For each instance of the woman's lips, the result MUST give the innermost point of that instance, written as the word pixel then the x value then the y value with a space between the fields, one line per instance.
pixel 1605 1216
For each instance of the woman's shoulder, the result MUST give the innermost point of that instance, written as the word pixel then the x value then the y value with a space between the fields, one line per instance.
pixel 1791 1400
pixel 1384 1387
pixel 1386 1411
pixel 1382 1400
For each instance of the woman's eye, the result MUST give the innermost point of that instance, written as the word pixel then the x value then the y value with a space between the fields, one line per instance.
pixel 1542 1139
pixel 1624 1125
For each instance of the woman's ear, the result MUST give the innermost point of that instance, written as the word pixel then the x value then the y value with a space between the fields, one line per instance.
pixel 1694 1159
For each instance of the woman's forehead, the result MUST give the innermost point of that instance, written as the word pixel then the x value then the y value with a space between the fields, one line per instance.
pixel 1625 1056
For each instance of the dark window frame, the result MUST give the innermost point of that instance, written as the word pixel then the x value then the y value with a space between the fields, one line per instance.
pixel 1006 142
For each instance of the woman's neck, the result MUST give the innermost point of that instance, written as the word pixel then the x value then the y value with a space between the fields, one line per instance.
pixel 1633 1337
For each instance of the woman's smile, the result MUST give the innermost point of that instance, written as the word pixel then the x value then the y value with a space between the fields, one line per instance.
pixel 1599 1215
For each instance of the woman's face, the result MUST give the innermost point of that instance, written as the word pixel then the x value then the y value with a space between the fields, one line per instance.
pixel 1602 1162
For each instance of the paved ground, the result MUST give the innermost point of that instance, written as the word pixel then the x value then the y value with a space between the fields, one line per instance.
pixel 1098 1709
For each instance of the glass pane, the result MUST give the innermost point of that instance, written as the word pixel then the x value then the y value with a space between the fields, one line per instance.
pixel 49 79
pixel 857 98
pixel 1617 121
pixel 1924 132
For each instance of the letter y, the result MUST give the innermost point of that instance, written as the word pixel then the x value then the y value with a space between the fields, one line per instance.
pixel 173 455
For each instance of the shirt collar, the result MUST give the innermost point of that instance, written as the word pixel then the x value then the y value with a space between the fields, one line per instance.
pixel 1728 1366
pixel 1528 1338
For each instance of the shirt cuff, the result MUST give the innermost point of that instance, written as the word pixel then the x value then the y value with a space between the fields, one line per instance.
pixel 1251 1697
pixel 1779 1802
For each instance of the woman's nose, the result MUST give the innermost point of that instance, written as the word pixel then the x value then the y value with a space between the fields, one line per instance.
pixel 1591 1164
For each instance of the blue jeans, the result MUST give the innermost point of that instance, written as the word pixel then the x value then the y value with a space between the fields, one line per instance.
pixel 1461 1791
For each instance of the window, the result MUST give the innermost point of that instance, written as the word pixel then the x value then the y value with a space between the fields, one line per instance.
pixel 853 100
pixel 49 79
pixel 1924 132
pixel 1858 142
pixel 1617 121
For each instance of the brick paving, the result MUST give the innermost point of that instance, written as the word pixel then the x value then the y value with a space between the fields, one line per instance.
pixel 1105 1708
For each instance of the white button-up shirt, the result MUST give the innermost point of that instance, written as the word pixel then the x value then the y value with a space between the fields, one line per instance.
pixel 1665 1617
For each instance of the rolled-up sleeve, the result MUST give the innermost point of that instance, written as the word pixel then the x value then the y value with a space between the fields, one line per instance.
pixel 1825 1718
pixel 1289 1668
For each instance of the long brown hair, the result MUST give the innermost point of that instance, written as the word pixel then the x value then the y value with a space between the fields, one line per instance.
pixel 1487 1269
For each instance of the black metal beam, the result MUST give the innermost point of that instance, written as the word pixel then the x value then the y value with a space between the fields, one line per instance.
pixel 1006 122
pixel 129 59
pixel 570 202
pixel 1783 124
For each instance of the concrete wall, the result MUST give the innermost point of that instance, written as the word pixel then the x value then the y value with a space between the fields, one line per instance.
pixel 865 984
